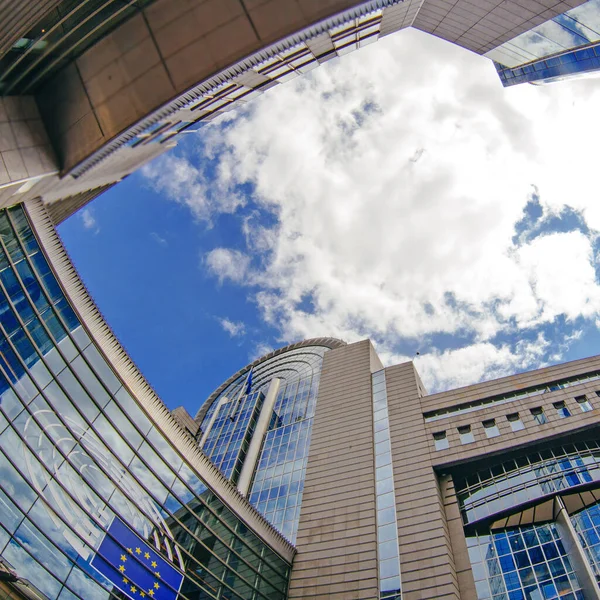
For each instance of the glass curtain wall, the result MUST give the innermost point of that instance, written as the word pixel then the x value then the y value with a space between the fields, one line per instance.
pixel 388 551
pixel 527 478
pixel 94 501
pixel 278 482
pixel 60 37
pixel 575 28
pixel 524 563
pixel 231 432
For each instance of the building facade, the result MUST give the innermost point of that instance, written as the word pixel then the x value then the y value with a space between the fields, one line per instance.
pixel 103 492
pixel 313 472
pixel 484 492
pixel 92 90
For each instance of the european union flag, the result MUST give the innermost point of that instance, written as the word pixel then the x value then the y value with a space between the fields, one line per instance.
pixel 248 383
pixel 134 567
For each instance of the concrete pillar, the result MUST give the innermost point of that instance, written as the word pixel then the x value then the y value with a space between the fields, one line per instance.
pixel 260 431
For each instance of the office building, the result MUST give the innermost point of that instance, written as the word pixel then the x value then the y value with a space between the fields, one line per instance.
pixel 313 472
pixel 489 491
pixel 104 493
pixel 92 90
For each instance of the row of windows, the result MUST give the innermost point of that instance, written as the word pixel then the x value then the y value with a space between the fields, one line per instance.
pixel 493 490
pixel 281 67
pixel 279 479
pixel 453 411
pixel 490 426
pixel 229 437
pixel 140 480
pixel 577 61
pixel 388 551
pixel 62 35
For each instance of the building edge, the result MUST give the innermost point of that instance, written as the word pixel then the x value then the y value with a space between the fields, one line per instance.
pixel 142 391
pixel 328 342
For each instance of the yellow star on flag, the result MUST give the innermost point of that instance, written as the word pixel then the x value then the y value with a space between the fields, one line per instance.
pixel 142 594
pixel 133 589
pixel 130 550
pixel 147 555
pixel 125 580
pixel 153 564
pixel 157 574
pixel 122 569
pixel 138 551
pixel 151 593
pixel 156 586
pixel 123 557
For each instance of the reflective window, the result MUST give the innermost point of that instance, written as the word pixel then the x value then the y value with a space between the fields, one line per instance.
pixel 578 26
pixel 465 434
pixel 490 428
pixel 529 477
pixel 515 421
pixel 278 482
pixel 544 388
pixel 85 475
pixel 440 440
pixel 539 416
pixel 231 431
pixel 561 409
pixel 587 526
pixel 387 538
pixel 584 404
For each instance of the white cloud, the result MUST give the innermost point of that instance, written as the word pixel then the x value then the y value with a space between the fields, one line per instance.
pixel 233 328
pixel 195 187
pixel 158 238
pixel 455 368
pixel 396 185
pixel 228 264
pixel 88 219
pixel 261 349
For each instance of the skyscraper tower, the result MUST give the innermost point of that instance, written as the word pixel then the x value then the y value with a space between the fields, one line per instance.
pixel 257 426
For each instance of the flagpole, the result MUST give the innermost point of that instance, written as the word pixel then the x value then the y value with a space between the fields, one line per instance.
pixel 245 390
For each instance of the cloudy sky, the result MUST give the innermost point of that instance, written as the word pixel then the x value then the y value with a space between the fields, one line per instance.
pixel 399 193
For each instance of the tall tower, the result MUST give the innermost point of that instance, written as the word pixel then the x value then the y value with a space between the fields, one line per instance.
pixel 257 426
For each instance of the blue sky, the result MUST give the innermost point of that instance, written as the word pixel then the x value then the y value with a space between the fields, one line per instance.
pixel 399 193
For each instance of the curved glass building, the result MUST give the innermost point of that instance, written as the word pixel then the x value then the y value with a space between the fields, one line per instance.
pixel 102 493
pixel 313 472
pixel 276 469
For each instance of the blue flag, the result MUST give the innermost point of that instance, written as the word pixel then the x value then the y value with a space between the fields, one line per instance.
pixel 135 567
pixel 248 383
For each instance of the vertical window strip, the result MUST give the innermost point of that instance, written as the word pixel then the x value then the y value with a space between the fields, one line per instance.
pixel 388 552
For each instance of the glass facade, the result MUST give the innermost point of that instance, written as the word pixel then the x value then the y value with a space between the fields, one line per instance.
pixel 528 478
pixel 523 563
pixel 584 62
pixel 94 501
pixel 576 28
pixel 278 482
pixel 229 437
pixel 388 552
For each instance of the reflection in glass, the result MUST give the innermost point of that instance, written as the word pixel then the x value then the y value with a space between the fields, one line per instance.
pixel 387 531
pixel 78 451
